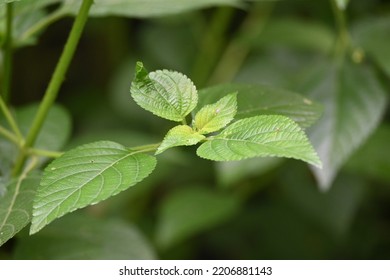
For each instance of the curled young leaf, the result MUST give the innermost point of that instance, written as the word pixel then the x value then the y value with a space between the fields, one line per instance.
pixel 167 94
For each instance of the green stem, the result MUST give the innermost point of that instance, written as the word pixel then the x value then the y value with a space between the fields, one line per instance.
pixel 211 45
pixel 344 40
pixel 42 24
pixel 9 135
pixel 55 82
pixel 10 119
pixel 44 153
pixel 7 49
pixel 146 148
pixel 238 49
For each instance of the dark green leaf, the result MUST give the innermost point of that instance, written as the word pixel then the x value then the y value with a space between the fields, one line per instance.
pixel 190 211
pixel 354 102
pixel 87 175
pixel 373 36
pixel 16 206
pixel 81 237
pixel 254 100
pixel 260 136
pixel 147 8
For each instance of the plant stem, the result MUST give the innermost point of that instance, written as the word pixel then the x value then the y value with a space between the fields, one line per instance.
pixel 146 148
pixel 10 119
pixel 9 135
pixel 344 38
pixel 211 45
pixel 44 153
pixel 7 48
pixel 55 82
pixel 238 49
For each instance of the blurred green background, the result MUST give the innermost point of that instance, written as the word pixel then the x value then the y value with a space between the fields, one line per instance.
pixel 189 208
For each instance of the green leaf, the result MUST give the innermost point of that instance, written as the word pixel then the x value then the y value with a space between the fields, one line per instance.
pixel 260 136
pixel 147 8
pixel 181 135
pixel 215 116
pixel 354 102
pixel 297 34
pixel 16 206
pixel 167 94
pixel 373 36
pixel 87 175
pixel 77 236
pixel 254 100
pixel 190 211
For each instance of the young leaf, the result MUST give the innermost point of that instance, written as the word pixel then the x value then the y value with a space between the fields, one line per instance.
pixel 77 236
pixel 215 116
pixel 16 206
pixel 181 135
pixel 87 175
pixel 260 136
pixel 167 94
pixel 257 100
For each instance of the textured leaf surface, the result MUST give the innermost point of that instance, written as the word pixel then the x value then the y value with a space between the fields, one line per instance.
pixel 354 102
pixel 215 116
pixel 260 136
pixel 373 36
pixel 167 94
pixel 147 8
pixel 87 175
pixel 81 237
pixel 181 135
pixel 190 211
pixel 16 206
pixel 254 100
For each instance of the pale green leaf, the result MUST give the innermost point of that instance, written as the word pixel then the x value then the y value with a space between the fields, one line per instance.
pixel 87 175
pixel 215 116
pixel 147 8
pixel 254 100
pixel 181 135
pixel 372 36
pixel 260 136
pixel 167 94
pixel 190 211
pixel 82 237
pixel 354 102
pixel 16 206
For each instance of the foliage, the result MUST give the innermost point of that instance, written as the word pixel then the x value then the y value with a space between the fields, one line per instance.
pixel 254 85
